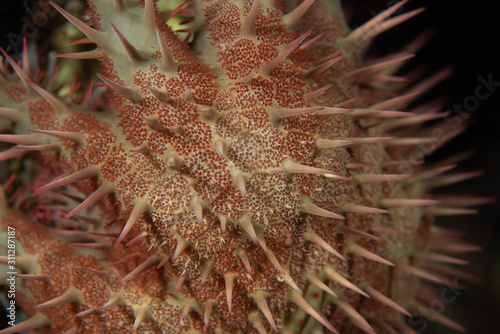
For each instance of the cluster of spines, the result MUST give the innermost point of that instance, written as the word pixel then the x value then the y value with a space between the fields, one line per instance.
pixel 28 142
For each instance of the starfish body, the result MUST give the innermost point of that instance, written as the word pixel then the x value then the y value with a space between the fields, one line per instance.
pixel 247 190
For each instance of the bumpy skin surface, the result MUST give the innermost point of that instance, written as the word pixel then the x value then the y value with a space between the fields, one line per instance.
pixel 220 182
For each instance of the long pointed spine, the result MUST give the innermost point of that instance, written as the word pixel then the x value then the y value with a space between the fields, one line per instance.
pixel 290 19
pixel 248 25
pixel 386 300
pixel 94 35
pixel 302 303
pixel 150 262
pixel 102 191
pixel 69 296
pixel 260 299
pixel 33 323
pixel 80 175
pixel 137 212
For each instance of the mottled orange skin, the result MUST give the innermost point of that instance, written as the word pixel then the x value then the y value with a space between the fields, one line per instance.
pixel 69 268
pixel 253 145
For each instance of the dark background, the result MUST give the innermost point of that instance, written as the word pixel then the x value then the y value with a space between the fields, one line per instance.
pixel 466 35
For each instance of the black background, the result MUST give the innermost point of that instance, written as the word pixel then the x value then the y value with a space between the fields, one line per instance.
pixel 466 37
